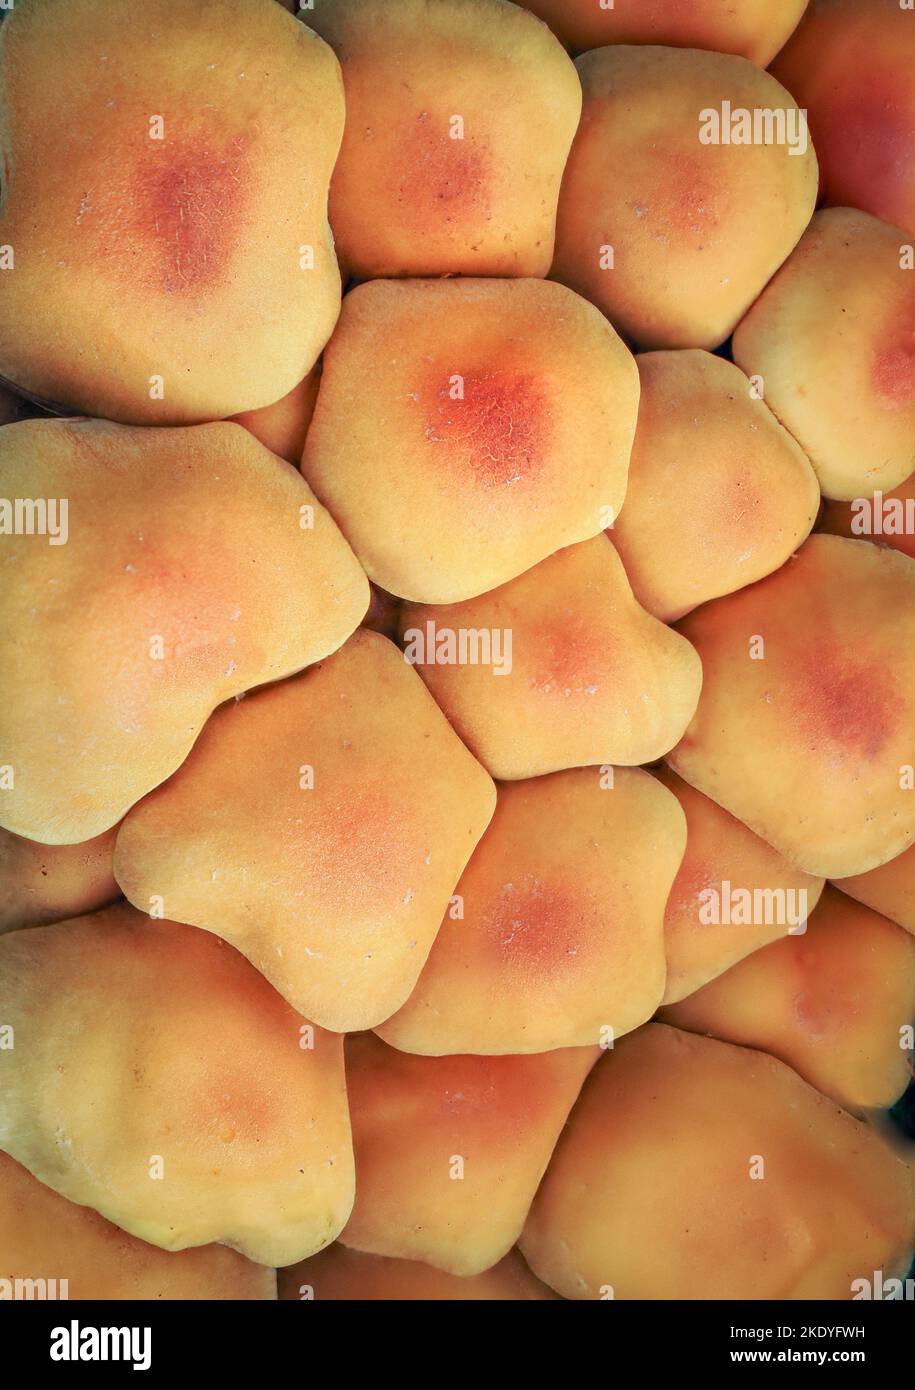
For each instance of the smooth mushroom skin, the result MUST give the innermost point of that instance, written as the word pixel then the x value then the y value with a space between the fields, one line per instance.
pixel 692 1169
pixel 560 938
pixel 851 64
pixel 173 259
pixel 320 826
pixel 198 565
pixel 885 518
pixel 459 119
pixel 754 29
pixel 449 414
pixel 560 668
pixel 450 1150
pixel 831 342
pixel 889 889
pixel 48 883
pixel 837 1004
pixel 806 724
pixel 282 426
pixel 733 893
pixel 341 1275
pixel 672 237
pixel 43 1237
pixel 719 494
pixel 157 1078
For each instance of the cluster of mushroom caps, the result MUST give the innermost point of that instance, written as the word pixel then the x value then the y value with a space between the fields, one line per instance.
pixel 468 666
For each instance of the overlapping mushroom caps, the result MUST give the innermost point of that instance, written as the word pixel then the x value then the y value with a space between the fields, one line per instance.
pixel 173 259
pixel 383 613
pixel 466 429
pixel 282 426
pixel 692 1169
pixel 754 29
pixel 732 894
pixel 150 1073
pixel 851 64
pixel 806 724
pixel 559 668
pixel 672 216
pixel 888 889
pixel 351 1275
pixel 53 1248
pixel 719 493
pixel 459 119
pixel 837 1003
pixel 450 1150
pixel 887 518
pixel 48 883
pixel 557 937
pixel 195 565
pixel 501 488
pixel 320 826
pixel 831 342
